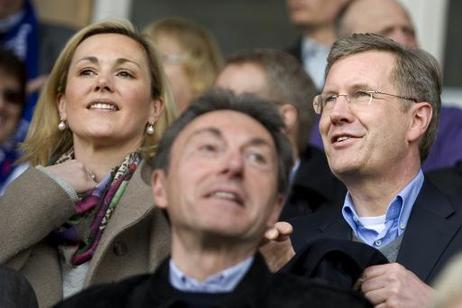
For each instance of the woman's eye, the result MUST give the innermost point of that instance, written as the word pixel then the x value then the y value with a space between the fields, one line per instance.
pixel 86 72
pixel 125 74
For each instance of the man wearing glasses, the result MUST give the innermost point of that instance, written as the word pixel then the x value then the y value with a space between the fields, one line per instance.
pixel 379 112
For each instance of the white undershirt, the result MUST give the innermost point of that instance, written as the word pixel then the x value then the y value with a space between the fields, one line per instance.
pixel 73 278
pixel 376 223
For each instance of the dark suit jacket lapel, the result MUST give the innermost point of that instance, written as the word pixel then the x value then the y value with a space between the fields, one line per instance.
pixel 336 227
pixel 428 233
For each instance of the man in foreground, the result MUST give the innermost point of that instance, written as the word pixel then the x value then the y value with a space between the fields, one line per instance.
pixel 379 112
pixel 220 174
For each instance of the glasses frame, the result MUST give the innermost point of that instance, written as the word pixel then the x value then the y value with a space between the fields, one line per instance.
pixel 318 106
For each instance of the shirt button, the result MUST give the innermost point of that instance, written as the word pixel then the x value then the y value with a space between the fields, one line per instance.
pixel 378 243
pixel 402 226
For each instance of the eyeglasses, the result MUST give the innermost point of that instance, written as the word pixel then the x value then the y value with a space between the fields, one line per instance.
pixel 174 58
pixel 12 96
pixel 323 103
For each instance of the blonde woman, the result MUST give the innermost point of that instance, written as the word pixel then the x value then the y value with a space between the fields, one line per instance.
pixel 81 214
pixel 190 55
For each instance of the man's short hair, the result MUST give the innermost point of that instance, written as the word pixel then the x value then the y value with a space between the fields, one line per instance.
pixel 258 109
pixel 415 74
pixel 286 83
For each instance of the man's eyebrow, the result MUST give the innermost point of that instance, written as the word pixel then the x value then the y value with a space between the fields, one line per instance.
pixel 353 87
pixel 207 130
pixel 258 142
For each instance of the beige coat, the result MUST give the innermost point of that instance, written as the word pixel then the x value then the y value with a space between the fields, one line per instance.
pixel 136 239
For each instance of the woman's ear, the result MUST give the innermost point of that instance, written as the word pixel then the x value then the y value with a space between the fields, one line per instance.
pixel 156 110
pixel 62 107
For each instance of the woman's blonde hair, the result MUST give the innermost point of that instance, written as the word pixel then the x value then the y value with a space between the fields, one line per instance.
pixel 203 60
pixel 44 142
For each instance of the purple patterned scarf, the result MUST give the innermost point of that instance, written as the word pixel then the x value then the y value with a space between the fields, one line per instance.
pixel 79 237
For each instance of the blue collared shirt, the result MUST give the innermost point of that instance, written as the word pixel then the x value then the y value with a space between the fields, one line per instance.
pixel 224 281
pixel 396 216
pixel 315 61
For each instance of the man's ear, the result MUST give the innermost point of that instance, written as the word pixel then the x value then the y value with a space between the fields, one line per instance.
pixel 421 117
pixel 62 107
pixel 158 185
pixel 289 114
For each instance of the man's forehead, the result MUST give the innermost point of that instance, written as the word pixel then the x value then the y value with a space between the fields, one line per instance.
pixel 225 123
pixel 246 77
pixel 370 68
pixel 376 15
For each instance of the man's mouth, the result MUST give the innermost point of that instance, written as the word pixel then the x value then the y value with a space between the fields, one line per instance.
pixel 340 138
pixel 227 195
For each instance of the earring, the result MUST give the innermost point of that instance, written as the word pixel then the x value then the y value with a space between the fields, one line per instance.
pixel 150 129
pixel 62 125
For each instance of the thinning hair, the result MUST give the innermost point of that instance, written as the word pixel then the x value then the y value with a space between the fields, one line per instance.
pixel 44 142
pixel 286 83
pixel 415 74
pixel 214 100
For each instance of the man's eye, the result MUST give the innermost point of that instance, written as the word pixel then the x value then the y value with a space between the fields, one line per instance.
pixel 330 98
pixel 361 94
pixel 210 148
pixel 257 158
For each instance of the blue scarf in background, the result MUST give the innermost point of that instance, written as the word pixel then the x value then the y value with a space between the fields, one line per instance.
pixel 19 33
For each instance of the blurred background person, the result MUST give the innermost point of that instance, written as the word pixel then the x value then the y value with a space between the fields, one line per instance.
pixel 81 214
pixel 280 79
pixel 448 285
pixel 12 100
pixel 37 44
pixel 390 18
pixel 315 20
pixel 190 56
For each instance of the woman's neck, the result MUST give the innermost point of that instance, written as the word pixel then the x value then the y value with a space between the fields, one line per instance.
pixel 99 160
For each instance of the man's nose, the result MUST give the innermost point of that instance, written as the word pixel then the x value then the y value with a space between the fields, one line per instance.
pixel 234 162
pixel 341 110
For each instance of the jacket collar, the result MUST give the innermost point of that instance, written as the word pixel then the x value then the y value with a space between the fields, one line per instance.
pixel 429 231
pixel 136 204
